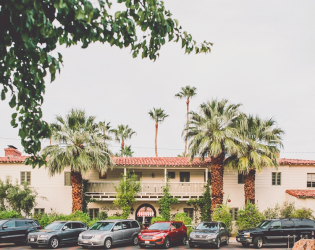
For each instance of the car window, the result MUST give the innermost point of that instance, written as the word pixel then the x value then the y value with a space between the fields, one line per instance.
pixel 275 224
pixel 159 226
pixel 178 225
pixel 287 224
pixel 134 224
pixel 207 225
pixel 173 225
pixel 263 224
pixel 55 226
pixel 76 225
pixel 31 223
pixel 69 225
pixel 223 225
pixel 103 226
pixel 126 225
pixel 20 223
pixel 10 224
pixel 305 223
pixel 118 226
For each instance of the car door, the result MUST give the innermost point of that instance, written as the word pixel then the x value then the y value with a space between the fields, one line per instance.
pixel 179 230
pixel 77 228
pixel 66 233
pixel 173 232
pixel 7 232
pixel 21 230
pixel 128 231
pixel 223 231
pixel 118 233
pixel 275 232
pixel 289 229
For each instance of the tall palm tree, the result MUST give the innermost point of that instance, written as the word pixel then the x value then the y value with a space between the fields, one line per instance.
pixel 158 116
pixel 105 128
pixel 123 133
pixel 127 151
pixel 214 133
pixel 261 144
pixel 80 146
pixel 186 92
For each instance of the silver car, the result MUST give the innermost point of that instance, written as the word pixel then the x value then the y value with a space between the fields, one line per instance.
pixel 110 232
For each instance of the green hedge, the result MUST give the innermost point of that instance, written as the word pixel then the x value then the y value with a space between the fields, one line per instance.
pixel 9 214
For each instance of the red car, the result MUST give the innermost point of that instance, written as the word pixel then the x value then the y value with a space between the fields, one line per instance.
pixel 163 233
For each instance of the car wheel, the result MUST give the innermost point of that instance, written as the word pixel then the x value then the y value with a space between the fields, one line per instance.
pixel 184 241
pixel 258 242
pixel 167 243
pixel 54 243
pixel 108 243
pixel 191 245
pixel 244 244
pixel 135 240
pixel 218 243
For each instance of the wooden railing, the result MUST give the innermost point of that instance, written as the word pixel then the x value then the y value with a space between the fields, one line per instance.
pixel 150 188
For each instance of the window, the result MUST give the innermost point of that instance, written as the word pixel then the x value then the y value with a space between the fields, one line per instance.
pixel 184 176
pixel 275 225
pixel 93 212
pixel 20 223
pixel 287 224
pixel 10 224
pixel 209 178
pixel 139 175
pixel 25 177
pixel 67 176
pixel 76 225
pixel 118 226
pixel 102 176
pixel 39 210
pixel 171 175
pixel 310 180
pixel 134 224
pixel 189 212
pixel 234 212
pixel 241 179
pixel 68 225
pixel 305 223
pixel 276 178
pixel 31 223
pixel 126 225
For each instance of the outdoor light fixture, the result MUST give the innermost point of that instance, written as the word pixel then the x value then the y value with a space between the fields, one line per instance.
pixel 153 175
pixel 132 210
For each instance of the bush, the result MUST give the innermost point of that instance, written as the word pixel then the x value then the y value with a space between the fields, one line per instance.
pixel 183 217
pixel 249 216
pixel 9 214
pixel 287 210
pixel 157 218
pixel 272 213
pixel 304 213
pixel 222 213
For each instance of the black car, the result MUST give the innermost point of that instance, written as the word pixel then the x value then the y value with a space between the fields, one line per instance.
pixel 17 230
pixel 277 231
pixel 211 233
pixel 56 233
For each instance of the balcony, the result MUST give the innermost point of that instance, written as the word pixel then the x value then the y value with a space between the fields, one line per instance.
pixel 104 190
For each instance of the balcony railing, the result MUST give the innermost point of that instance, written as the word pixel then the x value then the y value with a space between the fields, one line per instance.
pixel 179 189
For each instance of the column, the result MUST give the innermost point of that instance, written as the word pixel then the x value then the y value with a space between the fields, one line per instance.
pixel 206 175
pixel 165 175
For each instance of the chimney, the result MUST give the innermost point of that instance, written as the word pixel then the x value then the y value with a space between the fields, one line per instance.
pixel 12 151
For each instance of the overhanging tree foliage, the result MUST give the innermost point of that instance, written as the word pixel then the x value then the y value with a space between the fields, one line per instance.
pixel 30 31
pixel 166 201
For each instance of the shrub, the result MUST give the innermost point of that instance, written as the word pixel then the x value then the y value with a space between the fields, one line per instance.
pixel 166 201
pixel 304 213
pixel 272 213
pixel 249 216
pixel 157 218
pixel 9 214
pixel 287 210
pixel 183 217
pixel 222 213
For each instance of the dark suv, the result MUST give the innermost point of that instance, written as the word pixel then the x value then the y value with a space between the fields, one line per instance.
pixel 276 231
pixel 17 230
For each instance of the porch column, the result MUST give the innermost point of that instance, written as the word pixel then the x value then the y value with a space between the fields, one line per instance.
pixel 206 175
pixel 165 175
pixel 125 171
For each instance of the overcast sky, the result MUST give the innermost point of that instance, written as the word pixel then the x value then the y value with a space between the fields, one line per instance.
pixel 263 57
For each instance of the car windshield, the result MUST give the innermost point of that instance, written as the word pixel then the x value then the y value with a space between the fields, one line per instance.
pixel 103 226
pixel 159 226
pixel 2 221
pixel 208 226
pixel 263 224
pixel 55 226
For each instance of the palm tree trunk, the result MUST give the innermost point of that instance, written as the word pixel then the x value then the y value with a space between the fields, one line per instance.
pixel 187 103
pixel 249 186
pixel 76 183
pixel 156 131
pixel 122 147
pixel 217 170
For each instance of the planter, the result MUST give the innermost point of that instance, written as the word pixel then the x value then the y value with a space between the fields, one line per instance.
pixel 304 244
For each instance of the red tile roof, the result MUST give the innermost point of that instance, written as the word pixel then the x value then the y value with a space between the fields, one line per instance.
pixel 14 159
pixel 284 161
pixel 159 161
pixel 301 193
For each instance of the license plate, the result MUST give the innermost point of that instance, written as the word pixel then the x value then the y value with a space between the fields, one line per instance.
pixel 147 242
pixel 32 239
pixel 85 241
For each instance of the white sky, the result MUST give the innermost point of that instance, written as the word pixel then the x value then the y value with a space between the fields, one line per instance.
pixel 263 57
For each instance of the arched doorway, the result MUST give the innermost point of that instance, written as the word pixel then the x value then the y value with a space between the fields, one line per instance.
pixel 144 214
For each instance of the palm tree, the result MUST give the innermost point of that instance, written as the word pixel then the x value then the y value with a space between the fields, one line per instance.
pixel 80 146
pixel 214 133
pixel 158 116
pixel 127 151
pixel 186 92
pixel 105 129
pixel 123 133
pixel 262 142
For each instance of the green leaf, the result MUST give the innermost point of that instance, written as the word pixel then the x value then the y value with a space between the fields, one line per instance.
pixel 117 14
pixel 176 22
pixel 12 103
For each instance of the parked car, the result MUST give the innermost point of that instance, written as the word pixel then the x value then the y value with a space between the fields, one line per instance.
pixel 16 230
pixel 57 233
pixel 110 232
pixel 276 231
pixel 211 233
pixel 163 233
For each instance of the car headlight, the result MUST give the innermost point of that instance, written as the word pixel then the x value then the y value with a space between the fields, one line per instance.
pixel 43 236
pixel 210 236
pixel 160 235
pixel 98 236
pixel 247 234
pixel 80 236
pixel 192 235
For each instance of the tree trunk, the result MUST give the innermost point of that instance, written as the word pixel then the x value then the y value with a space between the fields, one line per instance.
pixel 187 103
pixel 122 147
pixel 249 186
pixel 76 183
pixel 156 131
pixel 217 170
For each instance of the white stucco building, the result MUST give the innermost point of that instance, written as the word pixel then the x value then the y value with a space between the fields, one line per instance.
pixel 293 181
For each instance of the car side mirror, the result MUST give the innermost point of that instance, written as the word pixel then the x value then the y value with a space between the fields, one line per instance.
pixel 4 227
pixel 173 229
pixel 193 227
pixel 64 228
pixel 222 228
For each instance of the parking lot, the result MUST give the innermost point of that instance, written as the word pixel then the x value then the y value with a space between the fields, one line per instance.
pixel 231 246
